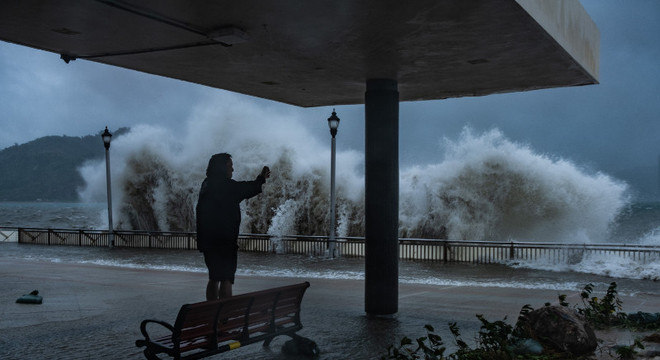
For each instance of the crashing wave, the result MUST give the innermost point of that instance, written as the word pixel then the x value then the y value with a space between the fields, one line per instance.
pixel 484 186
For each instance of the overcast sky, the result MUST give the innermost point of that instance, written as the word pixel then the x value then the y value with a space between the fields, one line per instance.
pixel 613 127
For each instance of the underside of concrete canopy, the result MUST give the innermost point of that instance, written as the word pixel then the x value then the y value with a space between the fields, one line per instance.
pixel 313 53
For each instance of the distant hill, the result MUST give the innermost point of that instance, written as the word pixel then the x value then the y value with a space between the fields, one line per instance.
pixel 45 169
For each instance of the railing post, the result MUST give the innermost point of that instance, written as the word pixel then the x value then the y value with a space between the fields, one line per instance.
pixel 271 244
pixel 80 232
pixel 20 231
pixel 444 251
pixel 49 232
pixel 149 240
pixel 512 252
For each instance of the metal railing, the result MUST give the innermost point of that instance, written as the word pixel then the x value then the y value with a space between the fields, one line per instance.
pixel 481 252
pixel 8 235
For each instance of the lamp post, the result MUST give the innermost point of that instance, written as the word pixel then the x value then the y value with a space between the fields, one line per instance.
pixel 107 137
pixel 333 123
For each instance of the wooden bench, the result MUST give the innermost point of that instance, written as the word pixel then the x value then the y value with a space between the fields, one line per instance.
pixel 210 327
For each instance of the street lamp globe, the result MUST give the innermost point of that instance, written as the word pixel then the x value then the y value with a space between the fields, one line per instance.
pixel 107 137
pixel 333 123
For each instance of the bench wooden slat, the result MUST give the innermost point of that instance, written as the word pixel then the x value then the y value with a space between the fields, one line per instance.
pixel 206 328
pixel 284 311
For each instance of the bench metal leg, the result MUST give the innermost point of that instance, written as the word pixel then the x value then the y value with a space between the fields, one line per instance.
pixel 150 355
pixel 299 345
pixel 268 340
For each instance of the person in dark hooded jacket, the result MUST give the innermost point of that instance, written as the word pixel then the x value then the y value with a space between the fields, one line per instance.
pixel 219 219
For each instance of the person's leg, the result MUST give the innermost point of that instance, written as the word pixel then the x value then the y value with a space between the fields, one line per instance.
pixel 212 261
pixel 212 290
pixel 229 271
pixel 222 268
pixel 225 289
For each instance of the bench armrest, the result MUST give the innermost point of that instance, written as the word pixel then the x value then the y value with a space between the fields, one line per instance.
pixel 143 327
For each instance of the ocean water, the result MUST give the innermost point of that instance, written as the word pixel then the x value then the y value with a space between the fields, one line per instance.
pixel 53 215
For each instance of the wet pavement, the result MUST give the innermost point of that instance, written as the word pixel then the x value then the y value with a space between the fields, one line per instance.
pixel 91 311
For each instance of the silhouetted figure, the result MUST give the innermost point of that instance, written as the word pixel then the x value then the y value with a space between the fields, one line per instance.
pixel 219 219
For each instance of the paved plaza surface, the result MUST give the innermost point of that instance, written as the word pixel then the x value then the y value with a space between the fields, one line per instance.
pixel 93 311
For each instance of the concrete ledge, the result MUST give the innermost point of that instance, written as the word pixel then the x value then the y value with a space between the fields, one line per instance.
pixel 569 24
pixel 316 53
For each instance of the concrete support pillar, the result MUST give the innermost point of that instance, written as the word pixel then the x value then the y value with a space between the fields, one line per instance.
pixel 381 197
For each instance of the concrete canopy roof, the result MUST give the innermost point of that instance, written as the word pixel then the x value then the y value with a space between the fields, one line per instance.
pixel 313 53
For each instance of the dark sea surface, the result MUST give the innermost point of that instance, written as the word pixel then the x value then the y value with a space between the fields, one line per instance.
pixel 53 215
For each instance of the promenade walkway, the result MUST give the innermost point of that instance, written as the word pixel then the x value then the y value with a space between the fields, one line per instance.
pixel 92 311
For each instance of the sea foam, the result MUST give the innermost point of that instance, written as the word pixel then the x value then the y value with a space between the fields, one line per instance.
pixel 483 187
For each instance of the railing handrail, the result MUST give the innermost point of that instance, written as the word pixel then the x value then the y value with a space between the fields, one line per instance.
pixel 518 244
pixel 474 251
pixel 351 238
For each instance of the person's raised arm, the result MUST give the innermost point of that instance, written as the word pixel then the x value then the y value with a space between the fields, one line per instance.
pixel 265 173
pixel 247 189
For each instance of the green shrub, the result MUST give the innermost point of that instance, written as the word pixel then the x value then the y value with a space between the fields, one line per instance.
pixel 496 340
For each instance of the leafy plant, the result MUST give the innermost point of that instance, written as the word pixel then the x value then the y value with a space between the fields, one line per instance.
pixel 493 341
pixel 628 352
pixel 496 340
pixel 494 336
pixel 603 312
pixel 431 347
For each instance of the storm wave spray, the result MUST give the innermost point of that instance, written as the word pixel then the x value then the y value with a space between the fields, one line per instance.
pixel 489 188
pixel 483 187
pixel 156 182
